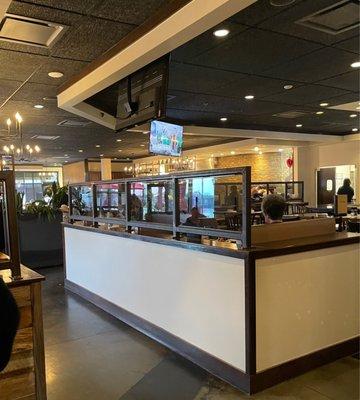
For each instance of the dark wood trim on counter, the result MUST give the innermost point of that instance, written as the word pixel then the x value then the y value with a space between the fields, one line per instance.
pixel 290 369
pixel 210 363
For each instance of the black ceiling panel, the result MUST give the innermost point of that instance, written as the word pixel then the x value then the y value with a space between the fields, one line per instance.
pixel 76 43
pixel 254 51
pixel 191 78
pixel 319 65
pixel 18 66
pixel 351 44
pixel 81 7
pixel 128 11
pixel 305 94
pixel 285 22
pixel 258 12
pixel 348 81
pixel 206 41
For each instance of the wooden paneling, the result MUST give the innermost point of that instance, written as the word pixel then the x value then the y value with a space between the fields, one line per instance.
pixel 23 340
pixel 17 386
pixel 22 295
pixel 24 376
pixel 25 317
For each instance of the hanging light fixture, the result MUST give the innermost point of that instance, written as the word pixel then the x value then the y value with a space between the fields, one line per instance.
pixel 19 151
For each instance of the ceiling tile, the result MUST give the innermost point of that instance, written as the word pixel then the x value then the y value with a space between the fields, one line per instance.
pixel 351 44
pixel 316 66
pixel 305 95
pixel 82 6
pixel 206 41
pixel 254 51
pixel 348 81
pixel 128 11
pixel 285 22
pixel 76 43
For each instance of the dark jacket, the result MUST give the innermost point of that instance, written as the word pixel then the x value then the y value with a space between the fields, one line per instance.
pixel 348 190
pixel 9 321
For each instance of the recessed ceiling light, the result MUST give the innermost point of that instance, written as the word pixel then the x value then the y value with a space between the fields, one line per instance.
pixel 358 107
pixel 354 129
pixel 120 150
pixel 256 148
pixel 298 125
pixel 115 158
pixel 355 64
pixel 223 119
pixel 232 152
pixel 319 112
pixel 221 32
pixel 97 145
pixel 249 97
pixel 324 104
pixel 260 152
pixel 118 140
pixel 80 151
pixel 353 115
pixel 66 161
pixel 66 155
pixel 56 74
pixel 221 154
pixel 101 155
pixel 280 150
pixel 142 145
pixel 38 106
pixel 288 87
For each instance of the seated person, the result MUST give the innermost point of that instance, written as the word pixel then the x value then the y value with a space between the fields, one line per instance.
pixel 193 220
pixel 273 207
pixel 346 189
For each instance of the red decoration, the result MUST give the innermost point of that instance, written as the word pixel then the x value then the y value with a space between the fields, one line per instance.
pixel 289 162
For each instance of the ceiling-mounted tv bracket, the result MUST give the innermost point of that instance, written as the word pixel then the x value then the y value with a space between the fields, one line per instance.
pixel 131 107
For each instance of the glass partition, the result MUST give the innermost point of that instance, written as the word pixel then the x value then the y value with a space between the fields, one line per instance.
pixel 152 201
pixel 212 203
pixel 110 200
pixel 81 200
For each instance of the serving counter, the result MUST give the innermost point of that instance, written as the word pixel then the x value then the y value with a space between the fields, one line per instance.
pixel 251 315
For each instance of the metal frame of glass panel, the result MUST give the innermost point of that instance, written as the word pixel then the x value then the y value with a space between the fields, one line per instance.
pixel 172 213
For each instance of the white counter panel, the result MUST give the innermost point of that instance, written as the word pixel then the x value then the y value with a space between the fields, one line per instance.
pixel 197 296
pixel 305 302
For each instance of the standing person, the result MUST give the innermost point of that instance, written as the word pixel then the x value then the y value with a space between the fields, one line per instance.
pixel 9 321
pixel 346 189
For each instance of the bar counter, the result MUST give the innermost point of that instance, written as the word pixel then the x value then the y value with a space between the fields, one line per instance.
pixel 253 317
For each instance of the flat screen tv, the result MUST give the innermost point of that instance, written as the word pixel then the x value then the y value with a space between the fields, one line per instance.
pixel 166 139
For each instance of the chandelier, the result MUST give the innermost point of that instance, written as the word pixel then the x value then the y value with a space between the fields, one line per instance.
pixel 18 151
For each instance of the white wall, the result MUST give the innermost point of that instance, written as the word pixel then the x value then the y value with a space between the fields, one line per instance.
pixel 311 158
pixel 305 302
pixel 199 297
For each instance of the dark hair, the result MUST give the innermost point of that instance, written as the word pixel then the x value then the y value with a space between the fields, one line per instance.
pixel 346 182
pixel 273 206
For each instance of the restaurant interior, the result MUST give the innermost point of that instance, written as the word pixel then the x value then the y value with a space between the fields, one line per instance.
pixel 180 191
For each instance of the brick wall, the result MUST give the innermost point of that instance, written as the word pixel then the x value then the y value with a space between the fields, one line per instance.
pixel 264 167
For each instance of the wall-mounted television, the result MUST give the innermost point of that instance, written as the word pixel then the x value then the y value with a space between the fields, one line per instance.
pixel 166 139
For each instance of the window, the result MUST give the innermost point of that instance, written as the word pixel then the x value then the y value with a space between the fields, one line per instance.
pixel 33 183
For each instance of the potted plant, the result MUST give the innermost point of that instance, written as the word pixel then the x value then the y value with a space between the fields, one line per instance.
pixel 40 231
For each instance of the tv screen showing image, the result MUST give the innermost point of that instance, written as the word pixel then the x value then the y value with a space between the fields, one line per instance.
pixel 166 139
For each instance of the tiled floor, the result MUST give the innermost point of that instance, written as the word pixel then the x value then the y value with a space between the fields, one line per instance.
pixel 92 356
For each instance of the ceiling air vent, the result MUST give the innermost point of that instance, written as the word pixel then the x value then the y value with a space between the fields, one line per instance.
pixel 73 123
pixel 337 18
pixel 290 114
pixel 45 137
pixel 30 31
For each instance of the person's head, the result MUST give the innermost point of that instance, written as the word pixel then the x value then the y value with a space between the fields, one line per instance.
pixel 195 212
pixel 273 208
pixel 347 182
pixel 233 189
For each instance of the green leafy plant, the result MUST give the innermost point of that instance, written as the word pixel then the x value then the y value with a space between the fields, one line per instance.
pixel 58 195
pixel 41 209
